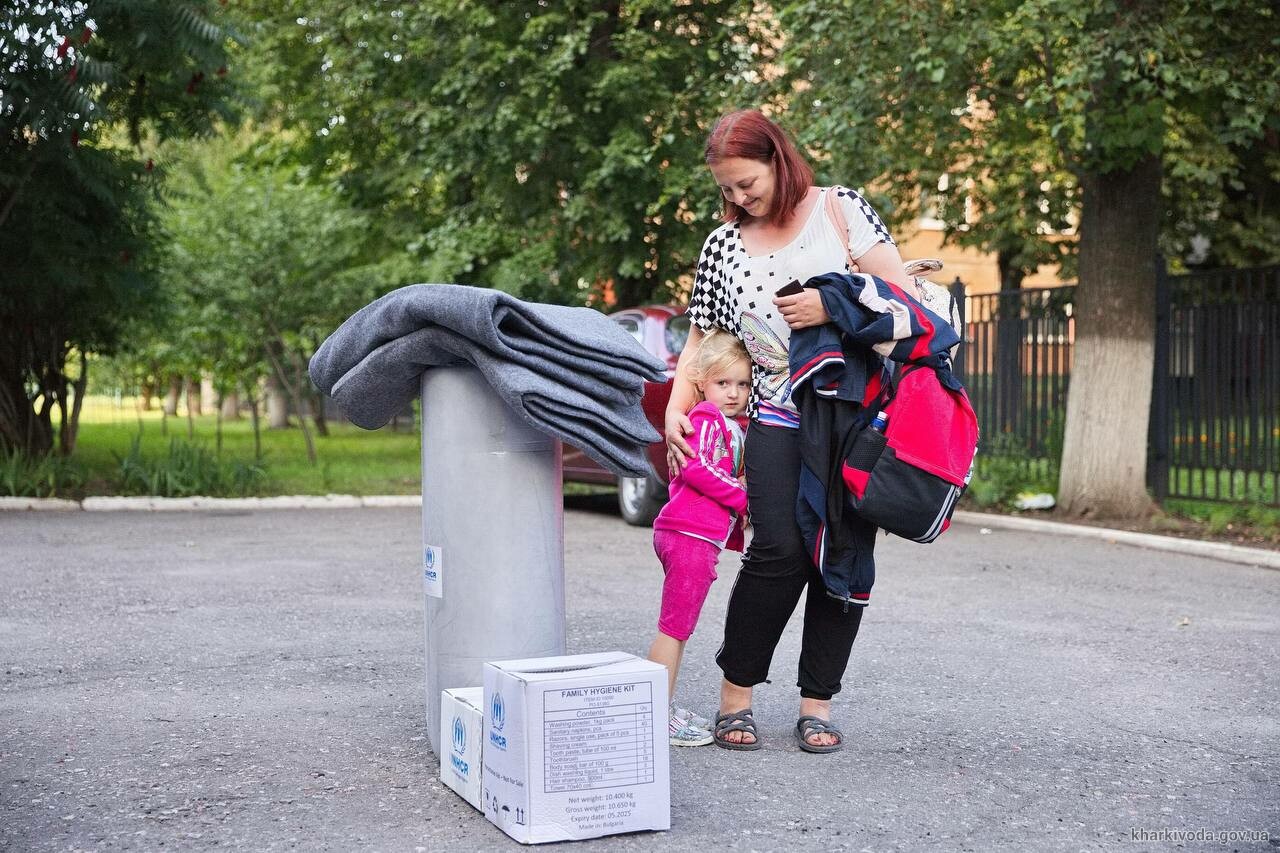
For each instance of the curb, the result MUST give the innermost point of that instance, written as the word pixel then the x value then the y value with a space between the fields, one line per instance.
pixel 154 504
pixel 38 504
pixel 1217 550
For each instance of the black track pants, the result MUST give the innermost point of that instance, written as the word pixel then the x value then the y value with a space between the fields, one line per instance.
pixel 775 570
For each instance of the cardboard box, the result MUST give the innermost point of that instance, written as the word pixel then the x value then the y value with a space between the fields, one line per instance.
pixel 576 746
pixel 462 742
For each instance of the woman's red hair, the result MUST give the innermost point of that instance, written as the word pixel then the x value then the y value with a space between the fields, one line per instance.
pixel 751 136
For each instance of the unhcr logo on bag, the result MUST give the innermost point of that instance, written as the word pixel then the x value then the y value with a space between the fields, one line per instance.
pixel 498 719
pixel 459 747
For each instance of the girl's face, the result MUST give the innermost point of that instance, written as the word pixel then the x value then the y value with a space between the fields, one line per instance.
pixel 729 389
pixel 747 183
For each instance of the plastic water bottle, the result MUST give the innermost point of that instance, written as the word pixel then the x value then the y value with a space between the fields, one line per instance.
pixel 880 421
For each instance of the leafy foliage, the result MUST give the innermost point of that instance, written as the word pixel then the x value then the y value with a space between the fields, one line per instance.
pixel 1014 100
pixel 74 78
pixel 542 148
pixel 188 470
pixel 261 264
pixel 41 477
pixel 1038 109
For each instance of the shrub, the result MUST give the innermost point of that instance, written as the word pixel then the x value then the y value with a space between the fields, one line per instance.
pixel 1004 469
pixel 1254 518
pixel 51 476
pixel 186 471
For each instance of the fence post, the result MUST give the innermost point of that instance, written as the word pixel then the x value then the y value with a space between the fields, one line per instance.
pixel 958 364
pixel 1158 428
pixel 1010 341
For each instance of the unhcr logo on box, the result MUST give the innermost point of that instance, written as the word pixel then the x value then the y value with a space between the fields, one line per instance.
pixel 497 720
pixel 459 747
pixel 461 743
pixel 459 736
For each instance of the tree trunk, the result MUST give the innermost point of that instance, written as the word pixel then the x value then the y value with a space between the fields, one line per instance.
pixel 314 399
pixel 208 396
pixel 277 404
pixel 1104 452
pixel 195 407
pixel 193 404
pixel 71 429
pixel 15 410
pixel 145 394
pixel 32 381
pixel 230 406
pixel 170 407
pixel 276 354
pixel 60 397
pixel 257 424
pixel 629 292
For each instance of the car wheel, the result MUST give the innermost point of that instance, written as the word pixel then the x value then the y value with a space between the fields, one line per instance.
pixel 640 499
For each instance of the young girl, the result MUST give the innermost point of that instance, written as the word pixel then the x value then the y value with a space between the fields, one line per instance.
pixel 707 512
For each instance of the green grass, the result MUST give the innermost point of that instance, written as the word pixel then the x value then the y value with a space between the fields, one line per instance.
pixel 351 460
pixel 1250 487
pixel 1249 519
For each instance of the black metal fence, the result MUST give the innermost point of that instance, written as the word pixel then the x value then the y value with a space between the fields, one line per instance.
pixel 1215 409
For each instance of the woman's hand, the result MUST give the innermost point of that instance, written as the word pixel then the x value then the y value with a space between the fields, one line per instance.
pixel 676 426
pixel 803 309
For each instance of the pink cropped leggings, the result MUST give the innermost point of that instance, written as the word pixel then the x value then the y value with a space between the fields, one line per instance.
pixel 690 566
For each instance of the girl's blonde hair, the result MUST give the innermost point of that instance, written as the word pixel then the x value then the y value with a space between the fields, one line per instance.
pixel 718 351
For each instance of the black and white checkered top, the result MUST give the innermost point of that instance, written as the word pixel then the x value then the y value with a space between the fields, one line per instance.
pixel 734 291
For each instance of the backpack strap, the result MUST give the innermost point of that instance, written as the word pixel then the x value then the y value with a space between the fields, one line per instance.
pixel 890 388
pixel 913 269
pixel 836 217
pixel 916 270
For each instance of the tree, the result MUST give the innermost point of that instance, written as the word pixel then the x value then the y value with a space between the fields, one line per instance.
pixel 75 79
pixel 1242 228
pixel 263 264
pixel 907 113
pixel 1148 70
pixel 1116 93
pixel 542 148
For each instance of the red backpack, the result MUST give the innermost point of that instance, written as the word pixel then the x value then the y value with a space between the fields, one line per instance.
pixel 907 475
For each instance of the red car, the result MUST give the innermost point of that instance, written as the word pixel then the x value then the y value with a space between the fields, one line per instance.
pixel 662 330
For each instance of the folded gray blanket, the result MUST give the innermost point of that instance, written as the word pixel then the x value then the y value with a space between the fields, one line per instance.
pixel 570 372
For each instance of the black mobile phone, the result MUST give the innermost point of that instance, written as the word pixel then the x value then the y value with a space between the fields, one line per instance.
pixel 790 289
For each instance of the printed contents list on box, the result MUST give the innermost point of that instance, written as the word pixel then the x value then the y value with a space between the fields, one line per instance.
pixel 597 737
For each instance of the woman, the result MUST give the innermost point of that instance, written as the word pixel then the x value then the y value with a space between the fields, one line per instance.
pixel 776 230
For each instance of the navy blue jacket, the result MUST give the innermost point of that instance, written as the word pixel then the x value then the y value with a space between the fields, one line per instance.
pixel 830 366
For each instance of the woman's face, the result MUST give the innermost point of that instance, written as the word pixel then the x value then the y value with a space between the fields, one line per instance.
pixel 747 183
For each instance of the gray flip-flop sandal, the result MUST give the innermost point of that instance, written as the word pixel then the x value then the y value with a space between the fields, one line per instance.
pixel 808 726
pixel 738 721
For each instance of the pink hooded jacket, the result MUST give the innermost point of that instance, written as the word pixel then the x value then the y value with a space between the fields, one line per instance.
pixel 706 491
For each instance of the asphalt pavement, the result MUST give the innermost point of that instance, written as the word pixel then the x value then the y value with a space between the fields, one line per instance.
pixel 254 680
